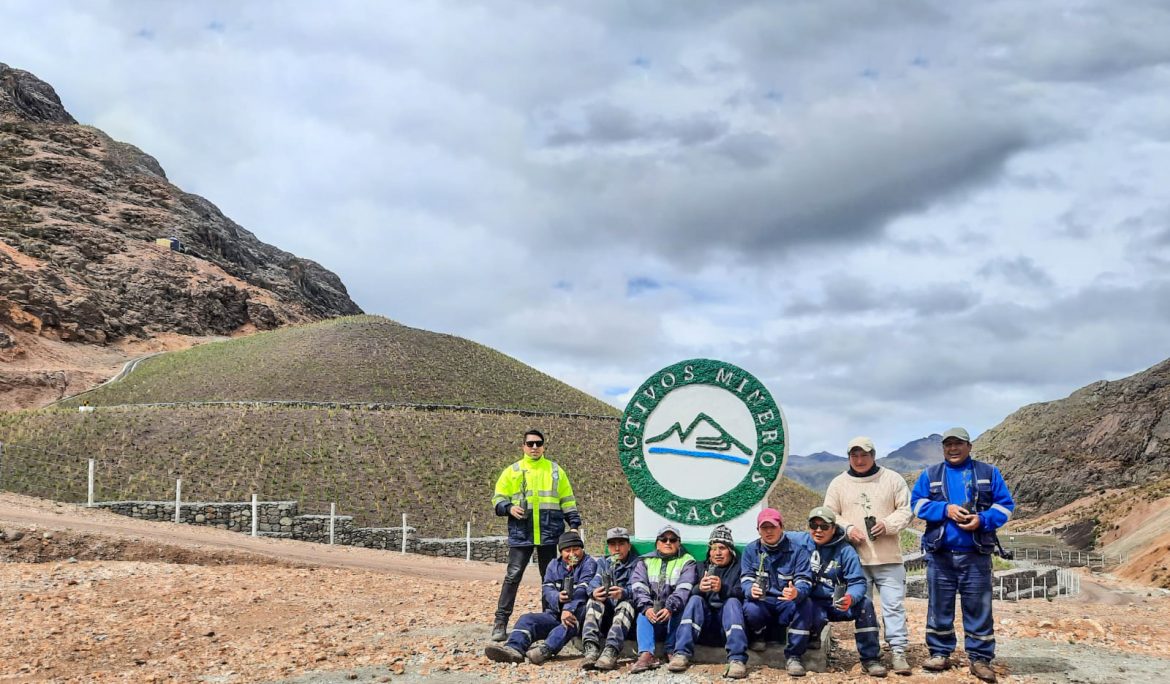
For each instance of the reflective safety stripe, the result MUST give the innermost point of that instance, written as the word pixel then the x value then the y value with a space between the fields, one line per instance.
pixel 556 478
pixel 685 585
pixel 1002 509
pixel 936 484
pixel 550 493
pixel 498 499
pixel 785 577
pixel 990 637
pixel 918 506
pixel 570 509
pixel 982 481
pixel 733 628
pixel 940 631
pixel 523 631
pixel 691 622
pixel 639 585
pixel 568 500
pixel 866 629
pixel 798 631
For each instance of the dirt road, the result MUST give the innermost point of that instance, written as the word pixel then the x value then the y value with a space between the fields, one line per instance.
pixel 26 511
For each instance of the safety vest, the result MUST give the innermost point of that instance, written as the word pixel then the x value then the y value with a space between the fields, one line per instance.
pixel 541 485
pixel 674 568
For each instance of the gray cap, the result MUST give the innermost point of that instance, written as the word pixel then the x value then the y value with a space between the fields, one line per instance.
pixel 957 432
pixel 824 513
pixel 668 528
pixel 617 533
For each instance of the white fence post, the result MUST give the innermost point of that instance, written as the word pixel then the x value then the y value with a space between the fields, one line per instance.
pixel 1002 596
pixel 89 498
pixel 468 540
pixel 178 497
pixel 255 515
pixel 403 533
pixel 332 515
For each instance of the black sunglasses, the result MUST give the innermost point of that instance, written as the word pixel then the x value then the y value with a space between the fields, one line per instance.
pixel 668 540
pixel 824 527
pixel 534 443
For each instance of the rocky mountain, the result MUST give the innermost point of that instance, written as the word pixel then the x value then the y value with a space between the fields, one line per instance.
pixel 914 456
pixel 80 214
pixel 1108 435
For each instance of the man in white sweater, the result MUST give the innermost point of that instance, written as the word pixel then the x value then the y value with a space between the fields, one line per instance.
pixel 873 503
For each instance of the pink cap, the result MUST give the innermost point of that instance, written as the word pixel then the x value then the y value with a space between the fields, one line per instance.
pixel 769 515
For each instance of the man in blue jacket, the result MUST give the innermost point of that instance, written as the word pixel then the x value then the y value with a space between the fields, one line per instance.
pixel 609 610
pixel 839 584
pixel 963 502
pixel 714 613
pixel 776 580
pixel 565 590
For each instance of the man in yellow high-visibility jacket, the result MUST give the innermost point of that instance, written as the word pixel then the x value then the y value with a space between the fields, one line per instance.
pixel 535 495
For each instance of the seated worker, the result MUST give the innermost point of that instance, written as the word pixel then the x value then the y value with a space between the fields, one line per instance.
pixel 776 579
pixel 838 593
pixel 714 614
pixel 565 589
pixel 662 583
pixel 609 610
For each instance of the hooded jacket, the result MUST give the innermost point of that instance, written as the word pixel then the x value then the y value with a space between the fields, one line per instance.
pixel 729 578
pixel 836 562
pixel 553 579
pixel 622 574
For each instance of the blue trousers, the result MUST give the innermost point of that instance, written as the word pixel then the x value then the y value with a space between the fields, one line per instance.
pixel 766 617
pixel 532 627
pixel 712 627
pixel 861 614
pixel 651 632
pixel 969 576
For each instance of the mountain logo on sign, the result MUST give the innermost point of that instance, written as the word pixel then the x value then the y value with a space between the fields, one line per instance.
pixel 715 446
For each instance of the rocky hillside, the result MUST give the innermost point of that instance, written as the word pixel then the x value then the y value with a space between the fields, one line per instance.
pixel 1106 435
pixel 79 217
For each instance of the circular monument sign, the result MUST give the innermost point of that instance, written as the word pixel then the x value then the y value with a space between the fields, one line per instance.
pixel 702 442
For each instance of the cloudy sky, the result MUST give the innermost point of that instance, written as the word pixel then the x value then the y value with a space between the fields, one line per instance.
pixel 899 216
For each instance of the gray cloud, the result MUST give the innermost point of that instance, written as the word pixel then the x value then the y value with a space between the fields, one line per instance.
pixel 1020 271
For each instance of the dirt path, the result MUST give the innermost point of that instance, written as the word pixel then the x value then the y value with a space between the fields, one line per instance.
pixel 26 511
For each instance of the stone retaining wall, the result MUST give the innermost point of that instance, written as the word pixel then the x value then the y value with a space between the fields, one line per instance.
pixel 280 519
pixel 491 549
pixel 1009 585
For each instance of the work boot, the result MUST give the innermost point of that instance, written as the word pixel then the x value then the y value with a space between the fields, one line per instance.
pixel 982 669
pixel 758 646
pixel 873 668
pixel 898 662
pixel 592 652
pixel 936 663
pixel 646 661
pixel 794 667
pixel 500 630
pixel 538 654
pixel 736 670
pixel 608 659
pixel 678 663
pixel 503 654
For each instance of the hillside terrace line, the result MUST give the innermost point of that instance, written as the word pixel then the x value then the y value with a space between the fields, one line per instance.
pixel 370 406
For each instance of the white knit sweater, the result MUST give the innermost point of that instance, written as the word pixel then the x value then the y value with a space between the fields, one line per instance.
pixel 883 495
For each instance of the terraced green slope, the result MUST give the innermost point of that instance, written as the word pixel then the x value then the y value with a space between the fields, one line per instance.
pixel 350 359
pixel 438 467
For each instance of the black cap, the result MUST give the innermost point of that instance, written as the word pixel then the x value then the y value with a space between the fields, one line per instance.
pixel 568 539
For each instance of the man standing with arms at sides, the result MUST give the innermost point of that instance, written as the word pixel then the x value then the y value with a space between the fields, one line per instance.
pixel 535 495
pixel 611 608
pixel 963 502
pixel 873 505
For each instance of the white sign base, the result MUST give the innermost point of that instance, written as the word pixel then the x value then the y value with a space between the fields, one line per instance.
pixel 647 524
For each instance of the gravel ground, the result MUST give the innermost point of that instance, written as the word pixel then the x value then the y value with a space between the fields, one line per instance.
pixel 196 612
